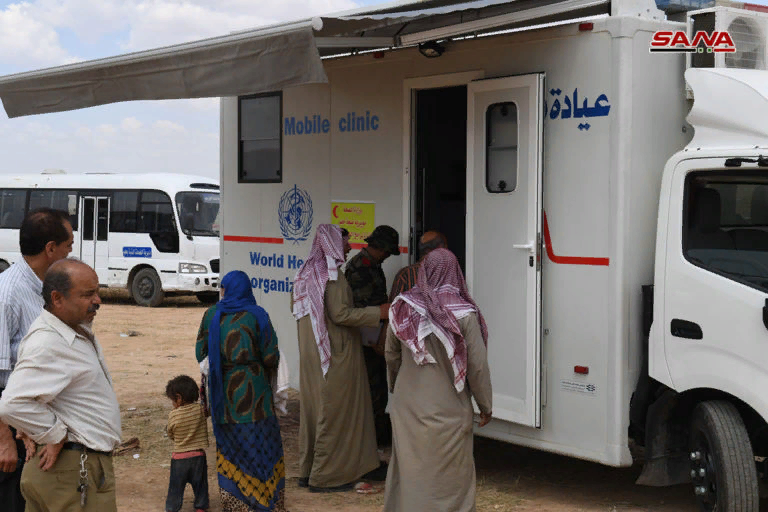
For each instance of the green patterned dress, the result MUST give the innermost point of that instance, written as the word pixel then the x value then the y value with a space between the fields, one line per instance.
pixel 250 460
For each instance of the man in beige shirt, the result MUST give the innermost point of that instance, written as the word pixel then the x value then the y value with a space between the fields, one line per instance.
pixel 60 395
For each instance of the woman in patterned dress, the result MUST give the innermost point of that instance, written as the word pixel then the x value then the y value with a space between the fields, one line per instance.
pixel 249 449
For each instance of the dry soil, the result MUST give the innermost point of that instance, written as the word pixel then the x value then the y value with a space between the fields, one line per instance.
pixel 146 347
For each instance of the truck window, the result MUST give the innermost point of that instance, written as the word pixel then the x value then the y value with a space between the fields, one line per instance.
pixel 726 226
pixel 260 139
pixel 501 148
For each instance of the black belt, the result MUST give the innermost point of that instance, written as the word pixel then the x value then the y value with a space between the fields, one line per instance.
pixel 82 448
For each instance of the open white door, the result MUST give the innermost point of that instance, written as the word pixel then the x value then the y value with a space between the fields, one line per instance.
pixel 503 235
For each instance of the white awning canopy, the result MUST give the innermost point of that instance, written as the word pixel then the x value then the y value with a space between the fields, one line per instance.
pixel 224 66
pixel 270 58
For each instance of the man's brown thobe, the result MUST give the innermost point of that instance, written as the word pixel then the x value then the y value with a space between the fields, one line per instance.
pixel 337 438
pixel 432 465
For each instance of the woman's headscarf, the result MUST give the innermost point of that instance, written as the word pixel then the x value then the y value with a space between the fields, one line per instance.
pixel 238 297
pixel 325 258
pixel 439 299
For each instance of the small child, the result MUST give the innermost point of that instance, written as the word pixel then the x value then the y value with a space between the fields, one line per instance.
pixel 188 430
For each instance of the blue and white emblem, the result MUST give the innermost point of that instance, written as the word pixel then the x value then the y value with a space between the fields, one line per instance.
pixel 295 214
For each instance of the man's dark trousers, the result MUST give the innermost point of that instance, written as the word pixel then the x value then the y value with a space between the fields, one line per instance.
pixel 376 365
pixel 10 491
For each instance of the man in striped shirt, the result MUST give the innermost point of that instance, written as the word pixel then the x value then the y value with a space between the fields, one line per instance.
pixel 44 238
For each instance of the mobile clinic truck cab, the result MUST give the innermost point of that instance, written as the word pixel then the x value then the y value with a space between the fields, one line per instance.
pixel 606 202
pixel 707 357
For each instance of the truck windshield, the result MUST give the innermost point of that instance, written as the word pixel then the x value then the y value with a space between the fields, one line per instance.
pixel 198 213
pixel 726 225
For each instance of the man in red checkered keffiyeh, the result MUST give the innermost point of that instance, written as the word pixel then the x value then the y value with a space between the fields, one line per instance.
pixel 337 440
pixel 441 327
pixel 327 255
pixel 439 299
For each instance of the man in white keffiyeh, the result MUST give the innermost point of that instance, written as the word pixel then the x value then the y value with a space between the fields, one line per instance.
pixel 337 439
pixel 435 346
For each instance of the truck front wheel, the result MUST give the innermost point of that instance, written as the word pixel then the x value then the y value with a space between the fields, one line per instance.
pixel 723 467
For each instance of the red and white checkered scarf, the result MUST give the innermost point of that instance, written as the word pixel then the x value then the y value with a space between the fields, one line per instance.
pixel 325 258
pixel 439 299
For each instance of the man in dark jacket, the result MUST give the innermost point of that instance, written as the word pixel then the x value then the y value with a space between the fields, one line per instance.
pixel 369 288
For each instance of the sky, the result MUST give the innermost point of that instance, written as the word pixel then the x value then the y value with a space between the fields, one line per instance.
pixel 140 136
pixel 146 136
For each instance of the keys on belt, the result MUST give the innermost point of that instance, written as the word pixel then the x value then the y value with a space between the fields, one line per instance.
pixel 82 487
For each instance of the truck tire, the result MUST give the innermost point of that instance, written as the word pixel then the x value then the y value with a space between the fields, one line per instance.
pixel 723 467
pixel 3 266
pixel 207 297
pixel 146 289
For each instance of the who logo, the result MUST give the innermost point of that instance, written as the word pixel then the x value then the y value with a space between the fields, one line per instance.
pixel 668 41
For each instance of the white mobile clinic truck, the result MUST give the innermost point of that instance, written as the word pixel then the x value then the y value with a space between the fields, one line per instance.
pixel 609 204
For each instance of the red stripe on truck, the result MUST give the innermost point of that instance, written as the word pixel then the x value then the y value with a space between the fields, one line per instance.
pixel 567 260
pixel 564 260
pixel 253 239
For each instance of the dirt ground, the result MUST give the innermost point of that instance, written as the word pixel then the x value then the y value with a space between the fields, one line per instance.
pixel 146 347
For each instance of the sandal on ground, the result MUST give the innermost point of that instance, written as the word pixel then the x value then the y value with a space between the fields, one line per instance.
pixel 366 488
pixel 338 488
pixel 304 481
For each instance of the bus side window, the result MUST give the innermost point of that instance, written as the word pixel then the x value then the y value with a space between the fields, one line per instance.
pixel 56 199
pixel 12 208
pixel 155 212
pixel 156 218
pixel 124 211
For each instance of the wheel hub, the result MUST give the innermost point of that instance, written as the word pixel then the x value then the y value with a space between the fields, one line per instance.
pixel 146 288
pixel 703 475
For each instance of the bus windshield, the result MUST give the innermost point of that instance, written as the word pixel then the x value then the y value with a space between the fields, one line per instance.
pixel 198 213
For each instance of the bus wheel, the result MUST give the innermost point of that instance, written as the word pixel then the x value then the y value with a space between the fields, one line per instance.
pixel 207 297
pixel 3 266
pixel 146 288
pixel 723 467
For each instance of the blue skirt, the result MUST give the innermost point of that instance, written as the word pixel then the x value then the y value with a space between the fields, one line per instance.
pixel 250 465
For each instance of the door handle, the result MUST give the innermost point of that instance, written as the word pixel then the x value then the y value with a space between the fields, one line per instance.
pixel 531 251
pixel 530 246
pixel 685 329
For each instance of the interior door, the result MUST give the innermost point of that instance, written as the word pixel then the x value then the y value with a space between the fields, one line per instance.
pixel 94 234
pixel 504 152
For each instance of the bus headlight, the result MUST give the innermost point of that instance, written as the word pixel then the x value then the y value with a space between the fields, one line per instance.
pixel 192 268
